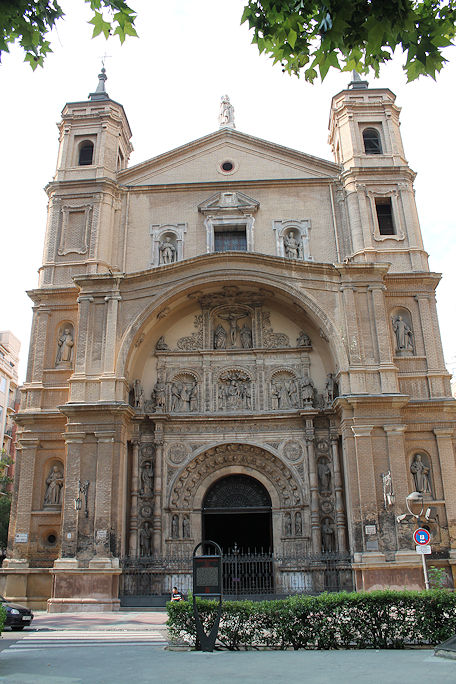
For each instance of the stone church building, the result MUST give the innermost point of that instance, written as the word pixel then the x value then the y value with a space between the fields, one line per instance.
pixel 233 341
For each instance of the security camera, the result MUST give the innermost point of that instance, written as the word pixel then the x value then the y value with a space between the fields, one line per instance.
pixel 401 518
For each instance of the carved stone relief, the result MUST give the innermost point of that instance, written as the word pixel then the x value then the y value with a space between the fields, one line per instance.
pixel 234 391
pixel 183 394
pixel 271 339
pixel 228 332
pixel 284 391
pixel 193 342
pixel 177 453
pixel 292 450
pixel 234 454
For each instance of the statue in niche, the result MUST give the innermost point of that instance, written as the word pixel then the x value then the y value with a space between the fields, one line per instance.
pixel 403 333
pixel 232 317
pixel 147 479
pixel 145 539
pixel 328 541
pixel 324 475
pixel 176 396
pixel 303 340
pixel 65 346
pixel 161 344
pixel 138 393
pixel 186 527
pixel 193 397
pixel 175 527
pixel 307 389
pixel 329 389
pixel 298 524
pixel 159 395
pixel 280 395
pixel 54 485
pixel 421 475
pixel 292 246
pixel 292 391
pixel 226 116
pixel 287 525
pixel 168 252
pixel 246 337
pixel 220 337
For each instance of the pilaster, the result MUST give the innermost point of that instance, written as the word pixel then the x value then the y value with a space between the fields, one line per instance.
pixel 70 516
pixel 444 438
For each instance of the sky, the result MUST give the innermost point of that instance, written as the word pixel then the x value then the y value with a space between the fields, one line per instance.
pixel 170 81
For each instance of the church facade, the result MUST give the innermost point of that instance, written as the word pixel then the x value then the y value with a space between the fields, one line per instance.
pixel 236 341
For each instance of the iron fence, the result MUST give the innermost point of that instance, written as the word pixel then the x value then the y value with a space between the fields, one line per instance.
pixel 244 574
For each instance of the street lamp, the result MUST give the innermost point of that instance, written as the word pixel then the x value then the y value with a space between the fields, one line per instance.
pixel 415 506
pixel 83 488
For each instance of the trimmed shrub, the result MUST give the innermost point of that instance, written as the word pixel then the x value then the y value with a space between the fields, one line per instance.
pixel 2 617
pixel 377 619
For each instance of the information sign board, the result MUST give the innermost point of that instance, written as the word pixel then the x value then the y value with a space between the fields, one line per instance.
pixel 207 575
pixel 426 550
pixel 421 536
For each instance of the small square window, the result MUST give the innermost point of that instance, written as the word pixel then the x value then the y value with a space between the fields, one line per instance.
pixel 230 238
pixel 385 216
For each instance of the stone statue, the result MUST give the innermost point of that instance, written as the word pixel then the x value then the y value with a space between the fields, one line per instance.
pixel 168 252
pixel 246 337
pixel 324 475
pixel 387 484
pixel 220 337
pixel 292 391
pixel 65 348
pixel 185 397
pixel 145 539
pixel 54 482
pixel 147 479
pixel 287 525
pixel 138 393
pixel 421 475
pixel 291 246
pixel 403 333
pixel 303 340
pixel 327 537
pixel 175 527
pixel 226 116
pixel 233 317
pixel 298 524
pixel 193 397
pixel 161 344
pixel 186 527
pixel 176 395
pixel 329 389
pixel 307 390
pixel 159 395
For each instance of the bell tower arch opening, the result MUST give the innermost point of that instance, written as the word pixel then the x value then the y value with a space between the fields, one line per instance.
pixel 237 512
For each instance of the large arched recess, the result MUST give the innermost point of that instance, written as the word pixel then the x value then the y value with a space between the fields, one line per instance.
pixel 277 284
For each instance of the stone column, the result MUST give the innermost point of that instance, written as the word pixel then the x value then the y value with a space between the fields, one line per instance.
pixel 103 492
pixel 313 484
pixel 366 484
pixel 157 521
pixel 70 516
pixel 133 536
pixel 338 491
pixel 84 302
pixel 27 454
pixel 444 437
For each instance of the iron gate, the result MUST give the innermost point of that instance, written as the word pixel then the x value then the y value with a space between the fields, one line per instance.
pixel 244 574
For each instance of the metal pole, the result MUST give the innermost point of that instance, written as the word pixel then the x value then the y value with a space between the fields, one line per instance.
pixel 426 578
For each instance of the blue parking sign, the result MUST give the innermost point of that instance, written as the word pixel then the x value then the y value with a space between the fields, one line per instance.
pixel 421 536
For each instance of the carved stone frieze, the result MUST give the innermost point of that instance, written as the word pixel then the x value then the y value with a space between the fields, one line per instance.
pixel 280 476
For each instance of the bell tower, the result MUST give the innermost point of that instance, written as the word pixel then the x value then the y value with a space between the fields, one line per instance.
pixel 84 202
pixel 378 198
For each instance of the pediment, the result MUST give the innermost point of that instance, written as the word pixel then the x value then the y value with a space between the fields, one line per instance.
pixel 227 202
pixel 253 159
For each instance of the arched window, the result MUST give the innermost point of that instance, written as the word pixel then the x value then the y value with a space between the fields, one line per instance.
pixel 372 143
pixel 85 153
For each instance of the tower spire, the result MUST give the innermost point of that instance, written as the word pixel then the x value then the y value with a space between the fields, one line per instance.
pixel 100 93
pixel 356 83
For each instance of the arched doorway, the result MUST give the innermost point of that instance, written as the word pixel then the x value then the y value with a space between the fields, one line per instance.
pixel 237 513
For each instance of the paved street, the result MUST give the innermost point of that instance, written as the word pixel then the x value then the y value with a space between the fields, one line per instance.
pixel 130 647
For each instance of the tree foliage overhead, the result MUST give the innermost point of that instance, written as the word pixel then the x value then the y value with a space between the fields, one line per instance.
pixel 29 22
pixel 313 35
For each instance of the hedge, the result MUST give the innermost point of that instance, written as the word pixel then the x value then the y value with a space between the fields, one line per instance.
pixel 377 619
pixel 2 617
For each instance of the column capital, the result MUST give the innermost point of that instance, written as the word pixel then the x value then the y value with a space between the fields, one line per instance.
pixel 105 436
pixel 74 437
pixel 84 298
pixel 394 429
pixel 443 432
pixel 113 297
pixel 362 430
pixel 28 443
